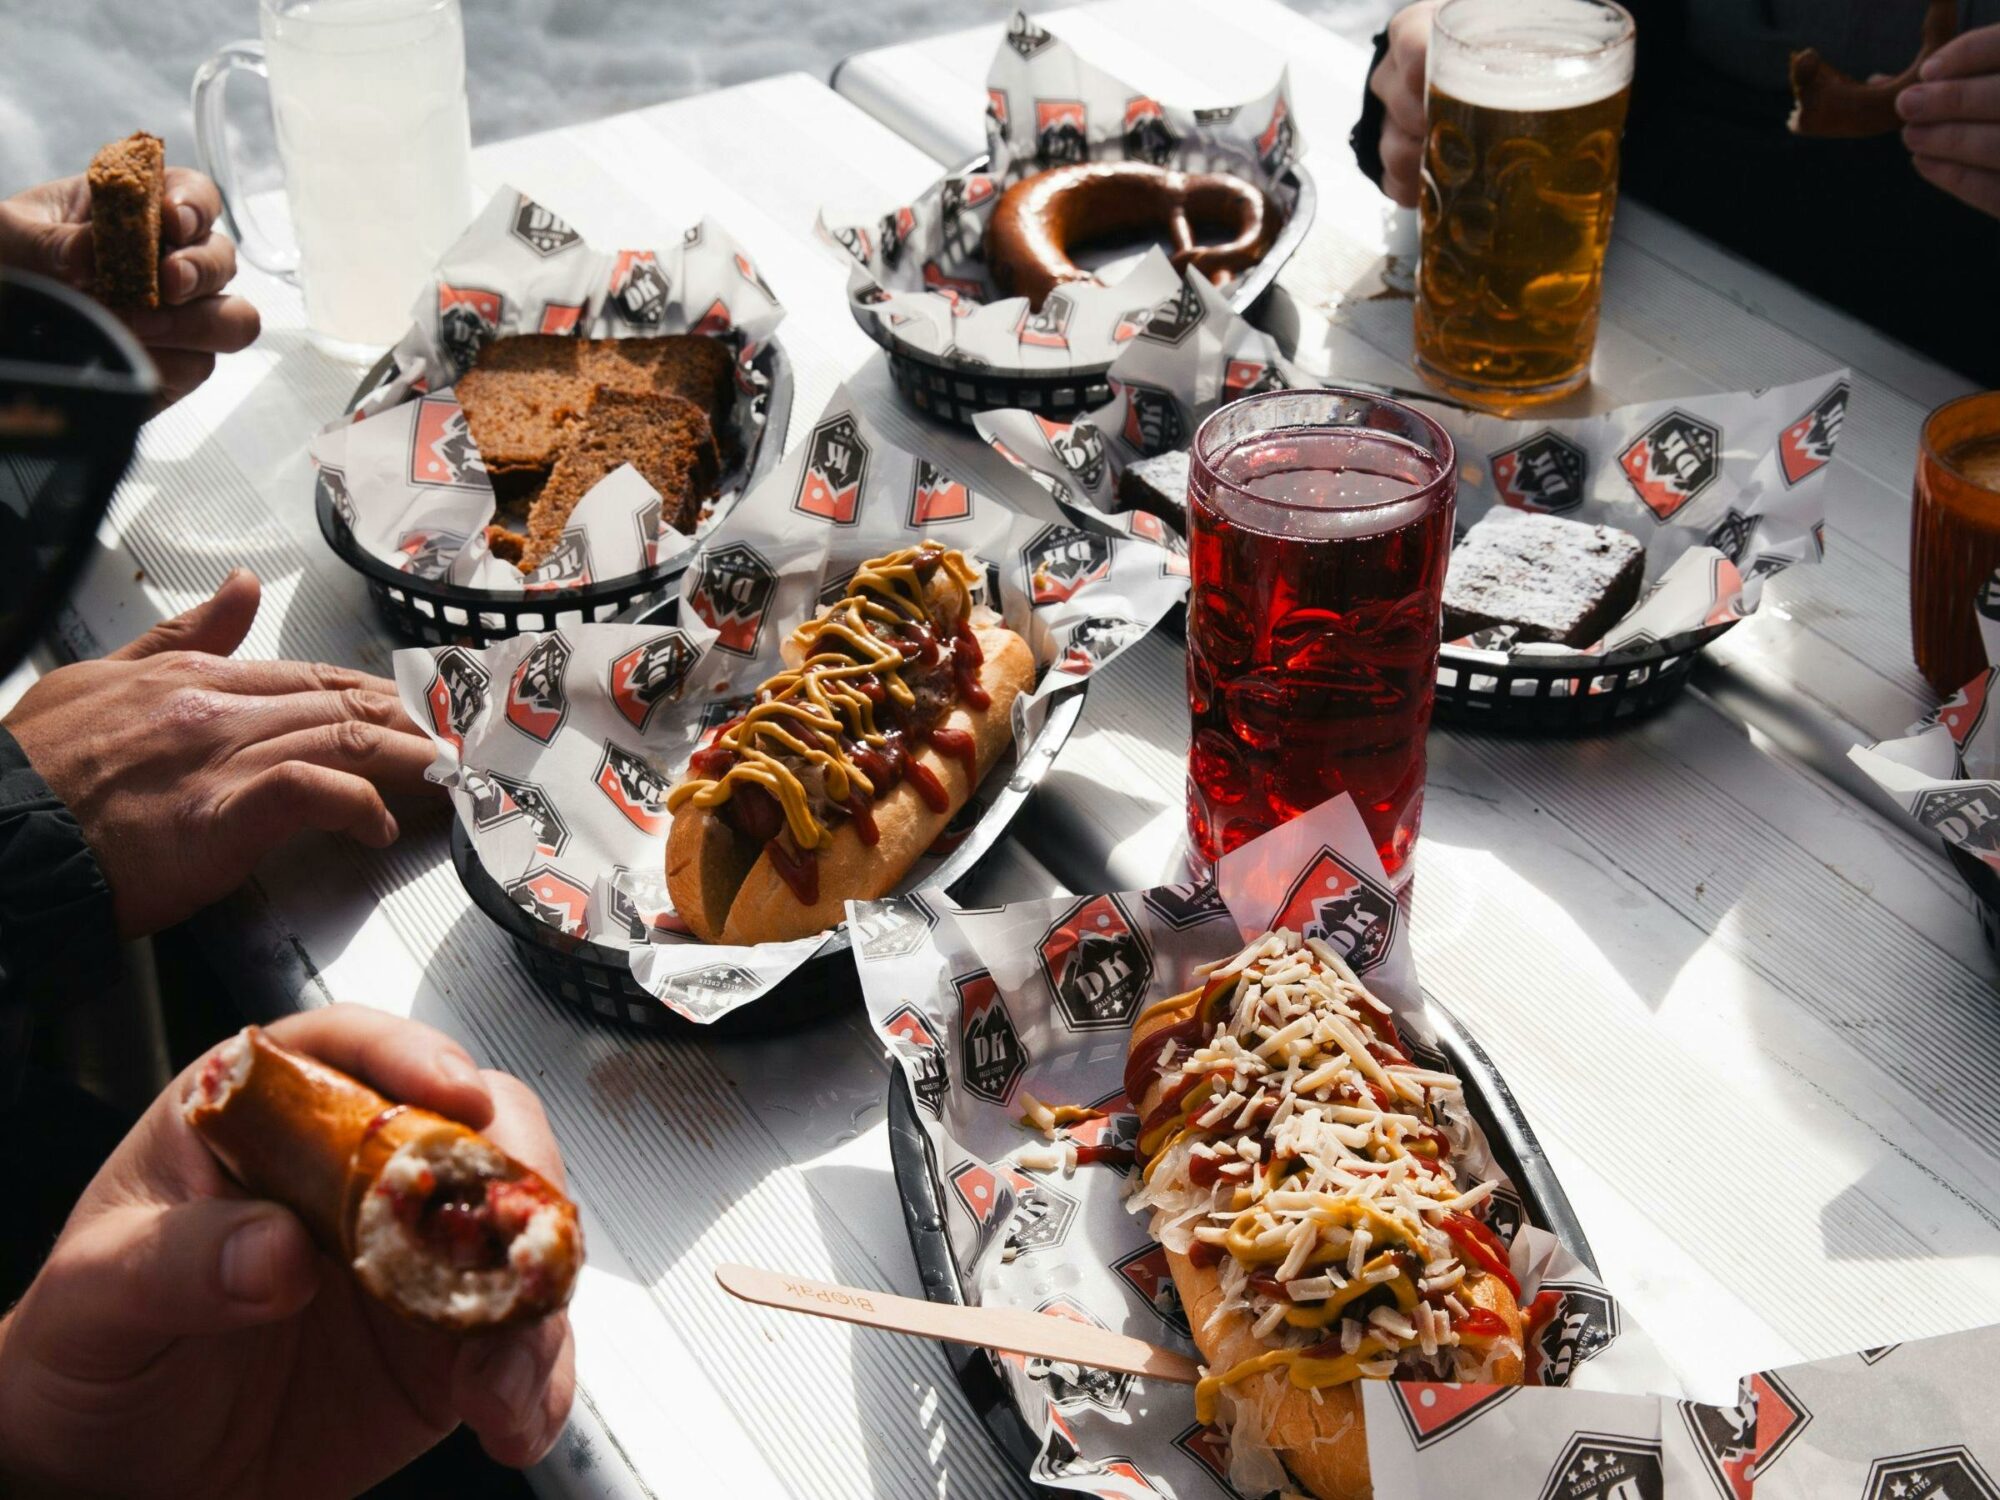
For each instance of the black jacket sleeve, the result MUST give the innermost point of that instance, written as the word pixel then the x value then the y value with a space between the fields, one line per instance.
pixel 1366 138
pixel 57 932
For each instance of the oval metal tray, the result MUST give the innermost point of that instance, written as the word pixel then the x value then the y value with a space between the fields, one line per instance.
pixel 922 1192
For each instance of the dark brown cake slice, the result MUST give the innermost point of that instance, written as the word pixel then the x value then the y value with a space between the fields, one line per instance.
pixel 667 439
pixel 522 397
pixel 1552 580
pixel 687 365
pixel 127 179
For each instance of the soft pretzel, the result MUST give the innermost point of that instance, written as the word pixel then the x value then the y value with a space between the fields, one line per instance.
pixel 1830 104
pixel 1041 222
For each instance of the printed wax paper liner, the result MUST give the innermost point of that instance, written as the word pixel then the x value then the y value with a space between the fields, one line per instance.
pixel 1723 490
pixel 920 279
pixel 979 1008
pixel 404 473
pixel 559 748
pixel 1946 771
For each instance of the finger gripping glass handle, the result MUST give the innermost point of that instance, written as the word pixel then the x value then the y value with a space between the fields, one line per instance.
pixel 211 144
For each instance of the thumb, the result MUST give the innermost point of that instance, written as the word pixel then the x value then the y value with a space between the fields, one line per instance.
pixel 216 626
pixel 135 1279
pixel 32 242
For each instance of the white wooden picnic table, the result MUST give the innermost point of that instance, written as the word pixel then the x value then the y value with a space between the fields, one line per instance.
pixel 1749 1015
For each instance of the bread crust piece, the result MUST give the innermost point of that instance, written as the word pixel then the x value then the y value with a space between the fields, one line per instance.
pixel 1320 1438
pixel 761 907
pixel 127 181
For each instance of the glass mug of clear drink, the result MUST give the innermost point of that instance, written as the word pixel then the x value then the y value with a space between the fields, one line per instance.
pixel 1319 525
pixel 368 97
pixel 1524 107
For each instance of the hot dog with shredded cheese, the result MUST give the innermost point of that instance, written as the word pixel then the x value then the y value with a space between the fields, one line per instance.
pixel 437 1222
pixel 1298 1173
pixel 896 701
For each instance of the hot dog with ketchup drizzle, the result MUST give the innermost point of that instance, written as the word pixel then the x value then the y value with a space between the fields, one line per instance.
pixel 894 703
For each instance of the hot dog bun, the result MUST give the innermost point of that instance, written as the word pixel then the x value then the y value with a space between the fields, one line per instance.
pixel 727 891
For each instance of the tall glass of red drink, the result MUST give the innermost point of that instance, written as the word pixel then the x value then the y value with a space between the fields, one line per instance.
pixel 1320 523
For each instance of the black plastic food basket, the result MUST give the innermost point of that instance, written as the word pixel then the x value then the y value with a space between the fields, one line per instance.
pixel 1527 694
pixel 954 391
pixel 1985 885
pixel 596 978
pixel 921 1189
pixel 431 612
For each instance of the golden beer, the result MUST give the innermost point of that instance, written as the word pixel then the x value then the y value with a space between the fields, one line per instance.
pixel 1523 113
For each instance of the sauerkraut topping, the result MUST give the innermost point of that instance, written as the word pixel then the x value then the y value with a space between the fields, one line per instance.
pixel 1299 1150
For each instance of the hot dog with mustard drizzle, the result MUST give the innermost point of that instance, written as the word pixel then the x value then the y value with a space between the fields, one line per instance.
pixel 1298 1172
pixel 894 703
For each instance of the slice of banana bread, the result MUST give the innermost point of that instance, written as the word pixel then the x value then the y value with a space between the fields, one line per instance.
pixel 667 439
pixel 127 179
pixel 687 365
pixel 522 396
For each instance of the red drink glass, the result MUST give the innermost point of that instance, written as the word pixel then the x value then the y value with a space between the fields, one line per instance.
pixel 1320 523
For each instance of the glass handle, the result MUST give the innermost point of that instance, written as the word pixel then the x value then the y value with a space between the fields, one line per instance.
pixel 211 144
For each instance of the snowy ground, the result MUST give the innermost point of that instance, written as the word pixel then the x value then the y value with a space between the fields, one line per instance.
pixel 76 73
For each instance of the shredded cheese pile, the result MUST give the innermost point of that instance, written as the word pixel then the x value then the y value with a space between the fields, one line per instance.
pixel 1314 1159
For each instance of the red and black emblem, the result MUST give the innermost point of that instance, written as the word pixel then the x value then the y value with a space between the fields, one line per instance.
pixel 1154 421
pixel 853 239
pixel 1432 1412
pixel 731 593
pixel 552 898
pixel 536 702
pixel 1025 37
pixel 330 485
pixel 1046 327
pixel 1336 903
pixel 1248 377
pixel 1069 1385
pixel 650 674
pixel 566 567
pixel 639 288
pixel 997 112
pixel 524 799
pixel 711 990
pixel 1738 1443
pixel 836 466
pixel 646 521
pixel 749 272
pixel 1097 965
pixel 441 448
pixel 468 320
pixel 1147 137
pixel 992 1059
pixel 1605 1466
pixel 1209 1447
pixel 1060 560
pixel 457 694
pixel 715 322
pixel 1968 815
pixel 1145 1272
pixel 1963 712
pixel 427 553
pixel 936 498
pixel 1095 641
pixel 982 1194
pixel 560 317
pixel 1569 1322
pixel 912 1038
pixel 1806 446
pixel 1672 462
pixel 1080 448
pixel 540 230
pixel 1060 136
pixel 1731 535
pixel 1934 1474
pixel 892 929
pixel 1544 473
pixel 963 294
pixel 1043 1213
pixel 636 788
pixel 897 227
pixel 1277 141
pixel 1175 318
pixel 639 905
pixel 1185 906
pixel 1504 1213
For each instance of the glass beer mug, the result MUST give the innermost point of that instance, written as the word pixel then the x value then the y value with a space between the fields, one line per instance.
pixel 368 97
pixel 1524 107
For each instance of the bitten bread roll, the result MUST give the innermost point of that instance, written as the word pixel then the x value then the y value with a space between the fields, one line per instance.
pixel 437 1222
pixel 850 763
pixel 1298 1172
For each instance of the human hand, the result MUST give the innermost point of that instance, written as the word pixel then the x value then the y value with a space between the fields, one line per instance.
pixel 1398 81
pixel 47 230
pixel 1952 118
pixel 184 1340
pixel 185 768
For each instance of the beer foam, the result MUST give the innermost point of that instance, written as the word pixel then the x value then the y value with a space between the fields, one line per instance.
pixel 1530 55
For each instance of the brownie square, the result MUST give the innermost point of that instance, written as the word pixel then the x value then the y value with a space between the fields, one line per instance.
pixel 1552 580
pixel 1158 484
pixel 127 179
